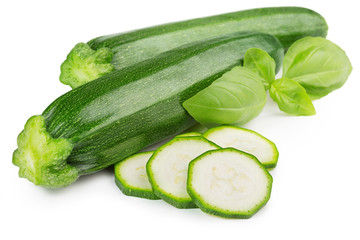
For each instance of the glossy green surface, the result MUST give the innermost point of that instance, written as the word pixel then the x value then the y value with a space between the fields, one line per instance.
pixel 286 23
pixel 119 114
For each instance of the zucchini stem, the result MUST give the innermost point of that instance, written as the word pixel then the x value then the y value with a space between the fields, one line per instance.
pixel 84 64
pixel 41 158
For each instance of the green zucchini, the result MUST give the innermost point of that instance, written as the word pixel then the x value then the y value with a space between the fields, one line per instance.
pixel 104 54
pixel 103 122
pixel 228 183
pixel 131 178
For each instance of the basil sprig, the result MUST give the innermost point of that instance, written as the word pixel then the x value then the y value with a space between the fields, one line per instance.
pixel 312 68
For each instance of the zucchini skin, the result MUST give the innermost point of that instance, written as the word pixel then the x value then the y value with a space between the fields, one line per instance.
pixel 122 112
pixel 288 24
pixel 134 192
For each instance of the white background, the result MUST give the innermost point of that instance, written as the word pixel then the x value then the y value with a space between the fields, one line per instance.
pixel 316 189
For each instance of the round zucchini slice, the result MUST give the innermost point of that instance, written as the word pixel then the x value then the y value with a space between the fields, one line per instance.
pixel 245 140
pixel 168 166
pixel 131 178
pixel 228 183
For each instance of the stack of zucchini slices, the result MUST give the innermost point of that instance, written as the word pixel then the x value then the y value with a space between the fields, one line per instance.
pixel 223 172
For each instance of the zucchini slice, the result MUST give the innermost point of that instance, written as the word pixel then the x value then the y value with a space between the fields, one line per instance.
pixel 167 168
pixel 189 134
pixel 228 183
pixel 245 140
pixel 131 178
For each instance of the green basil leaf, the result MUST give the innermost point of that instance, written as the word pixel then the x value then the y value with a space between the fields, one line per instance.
pixel 291 97
pixel 319 65
pixel 235 98
pixel 262 64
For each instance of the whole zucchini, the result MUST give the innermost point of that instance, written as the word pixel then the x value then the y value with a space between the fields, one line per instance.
pixel 104 54
pixel 106 120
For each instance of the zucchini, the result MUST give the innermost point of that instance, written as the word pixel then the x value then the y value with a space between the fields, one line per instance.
pixel 228 183
pixel 105 121
pixel 167 168
pixel 131 178
pixel 245 140
pixel 107 53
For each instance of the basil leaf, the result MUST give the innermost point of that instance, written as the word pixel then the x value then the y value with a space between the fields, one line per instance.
pixel 291 97
pixel 262 64
pixel 235 98
pixel 319 65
